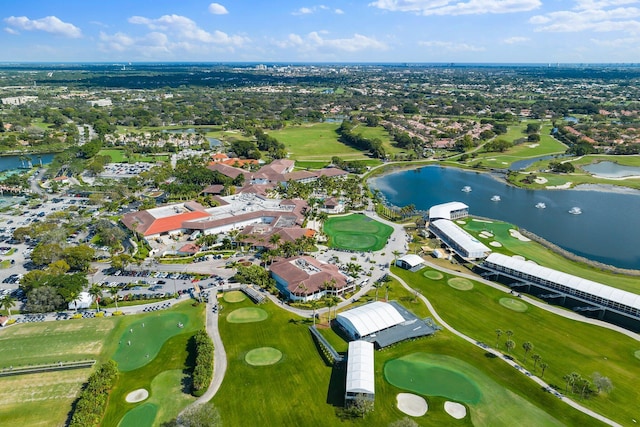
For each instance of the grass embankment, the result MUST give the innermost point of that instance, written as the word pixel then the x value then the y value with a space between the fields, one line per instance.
pixel 543 256
pixel 565 345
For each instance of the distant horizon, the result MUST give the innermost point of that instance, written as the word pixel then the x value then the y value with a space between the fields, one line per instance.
pixel 331 31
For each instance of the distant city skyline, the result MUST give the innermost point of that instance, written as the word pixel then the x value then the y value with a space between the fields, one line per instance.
pixel 415 31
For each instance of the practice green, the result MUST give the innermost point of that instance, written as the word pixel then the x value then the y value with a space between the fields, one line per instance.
pixel 247 315
pixel 433 275
pixel 263 356
pixel 357 232
pixel 513 304
pixel 234 296
pixel 140 416
pixel 460 283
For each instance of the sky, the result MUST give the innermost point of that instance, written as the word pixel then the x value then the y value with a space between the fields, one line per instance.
pixel 293 31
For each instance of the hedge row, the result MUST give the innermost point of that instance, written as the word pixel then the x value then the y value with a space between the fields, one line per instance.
pixel 93 398
pixel 203 370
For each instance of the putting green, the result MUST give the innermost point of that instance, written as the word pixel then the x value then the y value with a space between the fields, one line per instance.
pixel 263 356
pixel 142 415
pixel 417 373
pixel 514 304
pixel 247 315
pixel 357 232
pixel 637 354
pixel 460 284
pixel 234 296
pixel 433 275
pixel 141 343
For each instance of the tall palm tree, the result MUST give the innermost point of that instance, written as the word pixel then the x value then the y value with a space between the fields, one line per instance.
pixel 387 288
pixel 314 306
pixel 498 335
pixel 510 344
pixel 543 366
pixel 527 346
pixel 96 292
pixel 536 358
pixel 396 254
pixel 7 302
pixel 114 294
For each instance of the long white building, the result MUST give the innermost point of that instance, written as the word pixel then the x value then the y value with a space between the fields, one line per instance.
pixel 611 298
pixel 463 243
pixel 360 371
pixel 451 211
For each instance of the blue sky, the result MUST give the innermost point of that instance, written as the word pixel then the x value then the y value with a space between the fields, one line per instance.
pixel 521 31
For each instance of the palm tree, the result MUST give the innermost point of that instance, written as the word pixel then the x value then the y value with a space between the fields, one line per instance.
pixel 377 285
pixel 396 254
pixel 314 306
pixel 536 358
pixel 275 240
pixel 332 301
pixel 527 346
pixel 510 344
pixel 96 292
pixel 509 333
pixel 7 302
pixel 498 335
pixel 543 366
pixel 114 294
pixel 387 288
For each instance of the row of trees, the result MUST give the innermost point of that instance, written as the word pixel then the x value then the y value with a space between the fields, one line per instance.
pixel 527 346
pixel 92 402
pixel 582 386
pixel 203 369
pixel 349 137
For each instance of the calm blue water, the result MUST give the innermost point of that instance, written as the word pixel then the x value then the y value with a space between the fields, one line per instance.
pixel 523 164
pixel 608 230
pixel 612 170
pixel 14 162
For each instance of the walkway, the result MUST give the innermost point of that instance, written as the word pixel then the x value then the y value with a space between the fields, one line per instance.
pixel 499 355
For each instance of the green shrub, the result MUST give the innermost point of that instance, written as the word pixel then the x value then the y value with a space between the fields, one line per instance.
pixel 92 402
pixel 203 370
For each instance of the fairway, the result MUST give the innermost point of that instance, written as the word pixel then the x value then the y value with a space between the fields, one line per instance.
pixel 315 141
pixel 460 284
pixel 433 275
pixel 247 315
pixel 415 373
pixel 140 344
pixel 234 296
pixel 357 232
pixel 263 356
pixel 513 304
pixel 142 415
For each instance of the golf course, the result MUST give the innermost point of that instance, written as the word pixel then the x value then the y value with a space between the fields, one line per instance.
pixel 356 233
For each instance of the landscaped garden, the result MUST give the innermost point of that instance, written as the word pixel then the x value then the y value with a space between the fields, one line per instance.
pixel 357 232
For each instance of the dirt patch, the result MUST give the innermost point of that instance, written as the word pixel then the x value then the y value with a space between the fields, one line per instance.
pixel 137 396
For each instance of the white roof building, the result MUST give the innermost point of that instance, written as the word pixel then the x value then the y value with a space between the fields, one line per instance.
pixel 603 295
pixel 463 243
pixel 451 210
pixel 360 371
pixel 369 318
pixel 409 261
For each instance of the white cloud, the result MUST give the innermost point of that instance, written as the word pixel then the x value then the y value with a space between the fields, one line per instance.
pixel 453 7
pixel 596 20
pixel 310 10
pixel 339 12
pixel 616 43
pixel 451 46
pixel 49 24
pixel 515 40
pixel 184 29
pixel 217 9
pixel 11 31
pixel 315 41
pixel 149 45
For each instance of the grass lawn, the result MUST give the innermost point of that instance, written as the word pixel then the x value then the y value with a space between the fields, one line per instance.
pixel 118 156
pixel 357 232
pixel 315 141
pixel 541 255
pixel 382 134
pixel 567 346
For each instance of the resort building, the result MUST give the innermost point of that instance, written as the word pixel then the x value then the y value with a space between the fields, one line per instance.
pixel 304 278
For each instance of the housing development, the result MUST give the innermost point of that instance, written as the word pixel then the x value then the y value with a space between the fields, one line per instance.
pixel 319 245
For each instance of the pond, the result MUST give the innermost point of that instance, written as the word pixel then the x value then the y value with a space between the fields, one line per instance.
pixel 612 170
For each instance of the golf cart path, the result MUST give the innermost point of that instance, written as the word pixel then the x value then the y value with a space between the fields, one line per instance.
pixel 499 354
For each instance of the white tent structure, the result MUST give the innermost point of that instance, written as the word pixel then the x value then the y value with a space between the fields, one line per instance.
pixel 603 295
pixel 451 211
pixel 84 300
pixel 409 261
pixel 463 243
pixel 360 371
pixel 369 318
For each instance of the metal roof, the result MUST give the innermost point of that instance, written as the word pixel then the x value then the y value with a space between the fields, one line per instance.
pixel 461 237
pixel 412 259
pixel 444 210
pixel 372 317
pixel 593 288
pixel 360 368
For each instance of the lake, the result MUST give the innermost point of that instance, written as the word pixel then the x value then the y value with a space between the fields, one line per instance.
pixel 14 162
pixel 612 170
pixel 607 231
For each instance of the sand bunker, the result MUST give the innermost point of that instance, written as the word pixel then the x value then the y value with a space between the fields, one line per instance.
pixel 517 235
pixel 461 222
pixel 485 234
pixel 496 244
pixel 456 410
pixel 137 396
pixel 564 186
pixel 541 180
pixel 412 404
pixel 533 145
